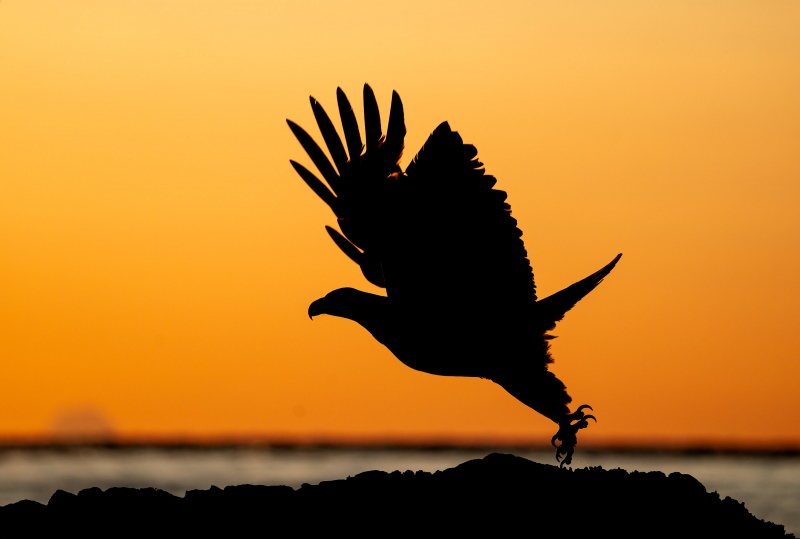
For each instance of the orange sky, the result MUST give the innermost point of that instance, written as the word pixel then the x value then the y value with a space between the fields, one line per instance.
pixel 158 253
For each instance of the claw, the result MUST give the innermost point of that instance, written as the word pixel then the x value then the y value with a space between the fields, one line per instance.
pixel 578 414
pixel 567 433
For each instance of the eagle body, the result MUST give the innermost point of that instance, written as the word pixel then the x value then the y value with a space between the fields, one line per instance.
pixel 445 342
pixel 460 293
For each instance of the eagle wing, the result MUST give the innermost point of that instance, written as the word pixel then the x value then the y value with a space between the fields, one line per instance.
pixel 453 236
pixel 356 188
pixel 439 230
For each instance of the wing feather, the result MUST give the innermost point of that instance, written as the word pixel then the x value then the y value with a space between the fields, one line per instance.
pixel 317 156
pixel 396 131
pixel 329 134
pixel 317 186
pixel 352 252
pixel 372 120
pixel 350 125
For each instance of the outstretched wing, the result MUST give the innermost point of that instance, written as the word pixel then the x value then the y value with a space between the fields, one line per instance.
pixel 452 235
pixel 553 308
pixel 438 231
pixel 357 192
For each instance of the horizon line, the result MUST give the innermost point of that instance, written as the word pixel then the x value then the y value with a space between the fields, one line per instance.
pixel 281 442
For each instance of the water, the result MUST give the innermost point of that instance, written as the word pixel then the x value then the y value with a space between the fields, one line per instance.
pixel 769 486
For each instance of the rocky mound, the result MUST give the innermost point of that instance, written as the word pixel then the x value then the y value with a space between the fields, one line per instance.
pixel 500 494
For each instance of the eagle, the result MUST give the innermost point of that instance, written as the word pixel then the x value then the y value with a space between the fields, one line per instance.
pixel 460 295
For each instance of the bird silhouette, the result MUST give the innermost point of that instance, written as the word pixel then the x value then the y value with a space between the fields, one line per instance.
pixel 460 295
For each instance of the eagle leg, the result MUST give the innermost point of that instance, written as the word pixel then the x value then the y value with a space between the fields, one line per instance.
pixel 567 433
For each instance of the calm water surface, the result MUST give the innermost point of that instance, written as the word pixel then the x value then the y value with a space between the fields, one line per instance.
pixel 769 486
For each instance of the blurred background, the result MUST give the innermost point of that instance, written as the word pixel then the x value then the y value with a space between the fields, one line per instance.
pixel 158 253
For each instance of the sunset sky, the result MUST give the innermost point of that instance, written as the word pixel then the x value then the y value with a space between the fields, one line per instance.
pixel 158 253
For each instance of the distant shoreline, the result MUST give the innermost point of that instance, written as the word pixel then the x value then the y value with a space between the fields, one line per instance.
pixel 789 450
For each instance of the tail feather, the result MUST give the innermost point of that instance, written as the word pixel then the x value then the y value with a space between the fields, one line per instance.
pixel 553 308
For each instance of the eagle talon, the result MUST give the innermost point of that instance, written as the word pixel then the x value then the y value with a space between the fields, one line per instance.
pixel 567 433
pixel 578 414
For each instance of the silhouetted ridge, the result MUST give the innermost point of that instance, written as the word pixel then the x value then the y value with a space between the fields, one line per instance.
pixel 500 495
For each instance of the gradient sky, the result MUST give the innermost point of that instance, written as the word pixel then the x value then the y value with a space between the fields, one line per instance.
pixel 158 253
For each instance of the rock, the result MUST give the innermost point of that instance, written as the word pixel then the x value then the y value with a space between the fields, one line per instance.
pixel 497 495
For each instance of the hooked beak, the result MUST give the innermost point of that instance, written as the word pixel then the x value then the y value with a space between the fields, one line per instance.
pixel 316 308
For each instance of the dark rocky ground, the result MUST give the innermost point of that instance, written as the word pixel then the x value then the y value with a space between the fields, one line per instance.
pixel 499 495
